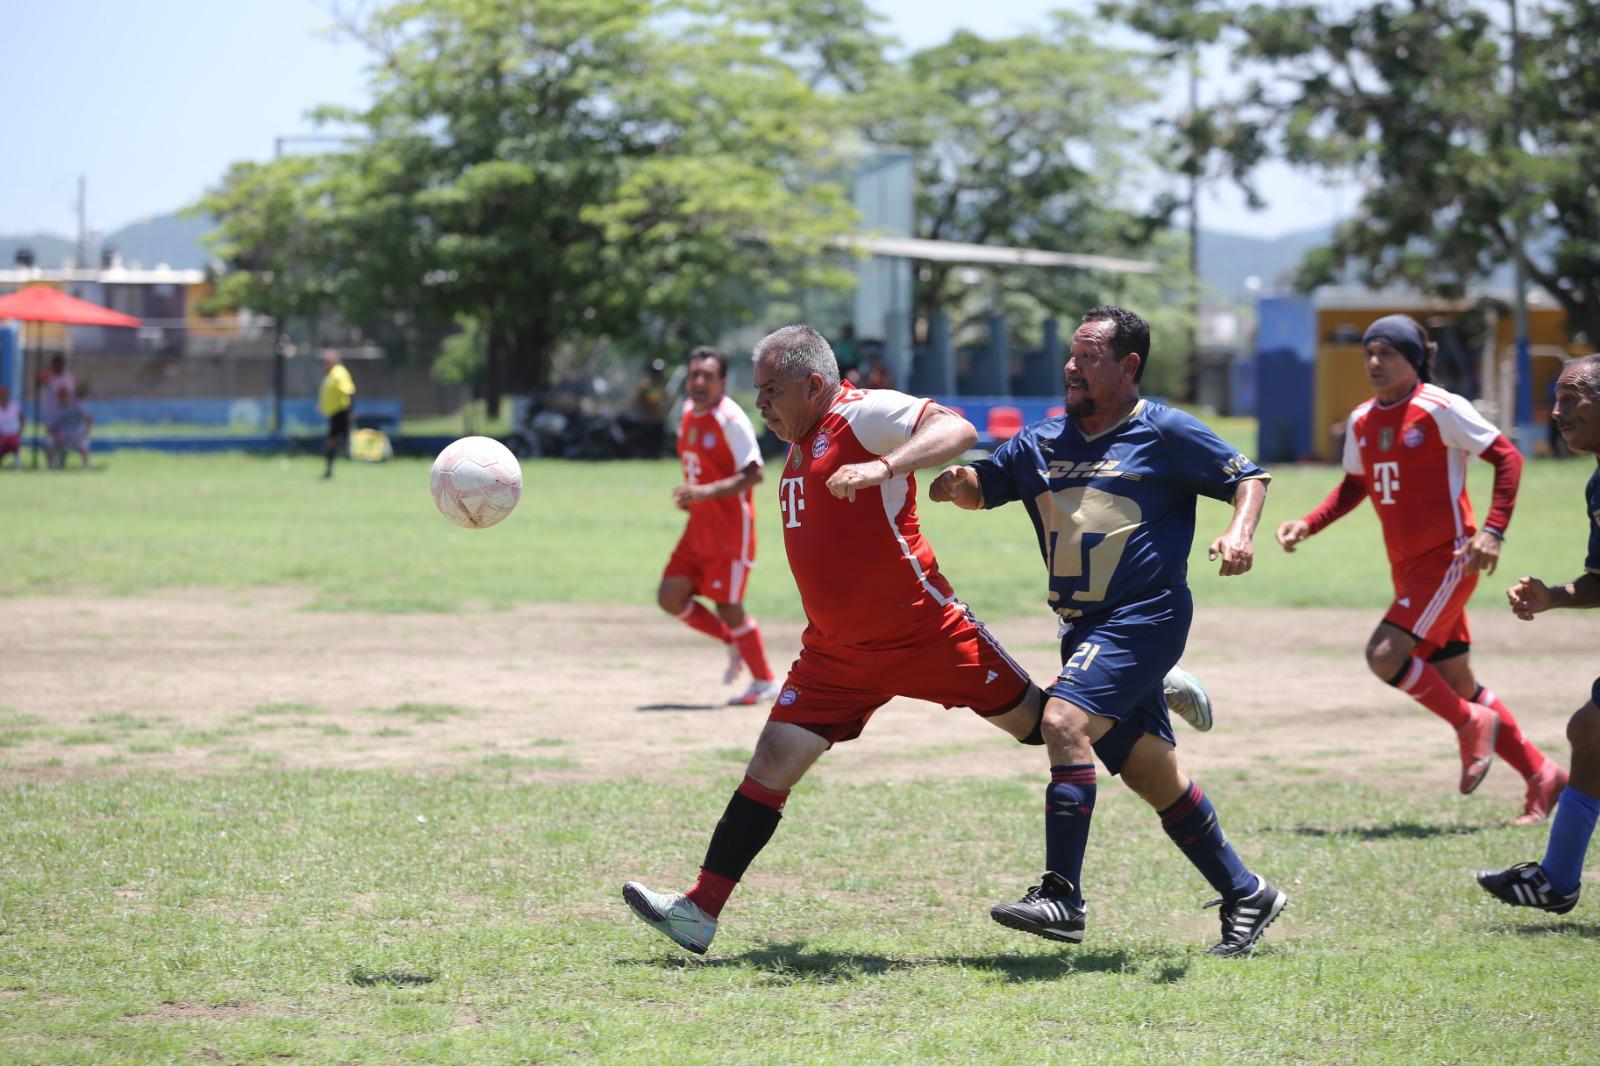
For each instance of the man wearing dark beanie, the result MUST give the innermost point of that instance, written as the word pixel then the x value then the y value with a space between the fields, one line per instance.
pixel 1407 449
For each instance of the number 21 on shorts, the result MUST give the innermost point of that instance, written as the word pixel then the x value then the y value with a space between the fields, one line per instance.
pixel 1081 658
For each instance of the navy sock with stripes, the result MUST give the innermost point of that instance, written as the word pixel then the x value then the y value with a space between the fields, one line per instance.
pixel 1068 808
pixel 1192 824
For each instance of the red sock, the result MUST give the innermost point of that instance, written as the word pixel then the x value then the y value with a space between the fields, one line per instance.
pixel 1511 745
pixel 744 830
pixel 698 616
pixel 1428 687
pixel 748 637
pixel 711 892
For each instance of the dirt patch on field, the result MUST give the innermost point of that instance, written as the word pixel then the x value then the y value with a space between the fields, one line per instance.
pixel 208 682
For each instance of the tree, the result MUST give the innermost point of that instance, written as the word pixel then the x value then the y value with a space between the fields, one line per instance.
pixel 1032 141
pixel 1413 97
pixel 568 170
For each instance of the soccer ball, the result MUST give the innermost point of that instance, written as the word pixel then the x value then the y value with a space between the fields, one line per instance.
pixel 476 481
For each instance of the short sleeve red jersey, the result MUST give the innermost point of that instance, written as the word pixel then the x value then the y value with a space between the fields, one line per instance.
pixel 714 445
pixel 1413 454
pixel 862 567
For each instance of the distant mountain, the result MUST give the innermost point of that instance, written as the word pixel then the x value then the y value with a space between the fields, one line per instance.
pixel 48 251
pixel 167 239
pixel 1229 260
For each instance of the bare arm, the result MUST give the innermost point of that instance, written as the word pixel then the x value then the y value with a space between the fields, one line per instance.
pixel 1530 596
pixel 939 437
pixel 686 496
pixel 1236 546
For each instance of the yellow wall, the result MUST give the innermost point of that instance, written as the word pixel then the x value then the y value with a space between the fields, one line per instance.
pixel 1341 377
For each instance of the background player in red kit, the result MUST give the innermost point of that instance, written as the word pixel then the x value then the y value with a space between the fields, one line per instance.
pixel 721 463
pixel 882 620
pixel 1407 448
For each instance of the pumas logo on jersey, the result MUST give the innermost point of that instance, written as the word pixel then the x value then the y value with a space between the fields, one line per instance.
pixel 1094 468
pixel 787 697
pixel 820 444
pixel 708 441
pixel 1412 437
pixel 1385 439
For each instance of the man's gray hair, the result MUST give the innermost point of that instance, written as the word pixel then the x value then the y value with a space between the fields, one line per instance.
pixel 798 352
pixel 1585 371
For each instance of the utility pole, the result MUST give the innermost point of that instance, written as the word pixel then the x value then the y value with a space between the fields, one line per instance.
pixel 1522 412
pixel 83 222
pixel 1191 385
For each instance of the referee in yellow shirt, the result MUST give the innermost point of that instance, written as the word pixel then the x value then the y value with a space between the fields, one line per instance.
pixel 337 396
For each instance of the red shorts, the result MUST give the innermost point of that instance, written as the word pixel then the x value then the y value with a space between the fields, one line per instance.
pixel 11 444
pixel 719 578
pixel 833 690
pixel 1430 600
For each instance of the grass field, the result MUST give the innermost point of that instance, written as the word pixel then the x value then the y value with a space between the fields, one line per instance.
pixel 600 532
pixel 275 913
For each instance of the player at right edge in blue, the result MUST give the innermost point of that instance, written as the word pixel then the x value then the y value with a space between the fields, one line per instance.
pixel 1553 884
pixel 1111 488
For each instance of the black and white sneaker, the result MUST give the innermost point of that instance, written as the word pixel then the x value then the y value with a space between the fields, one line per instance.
pixel 1046 910
pixel 1245 921
pixel 1526 885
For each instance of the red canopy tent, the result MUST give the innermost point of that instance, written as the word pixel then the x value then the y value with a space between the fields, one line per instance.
pixel 44 303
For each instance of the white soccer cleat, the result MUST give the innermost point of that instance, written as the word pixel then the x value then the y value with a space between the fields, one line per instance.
pixel 1186 698
pixel 675 916
pixel 758 693
pixel 735 665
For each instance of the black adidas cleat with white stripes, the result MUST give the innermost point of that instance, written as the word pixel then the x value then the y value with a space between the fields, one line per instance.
pixel 1045 910
pixel 1244 922
pixel 1526 885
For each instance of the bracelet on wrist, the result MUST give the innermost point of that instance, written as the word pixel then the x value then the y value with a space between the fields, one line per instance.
pixel 1495 533
pixel 887 467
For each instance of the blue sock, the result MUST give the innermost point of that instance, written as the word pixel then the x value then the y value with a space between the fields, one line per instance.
pixel 1068 808
pixel 1192 824
pixel 1570 831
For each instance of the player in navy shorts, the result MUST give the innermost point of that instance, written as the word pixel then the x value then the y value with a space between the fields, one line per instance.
pixel 1553 883
pixel 1111 487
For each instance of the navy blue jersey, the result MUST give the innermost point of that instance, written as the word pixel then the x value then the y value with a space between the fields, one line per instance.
pixel 1114 513
pixel 1591 496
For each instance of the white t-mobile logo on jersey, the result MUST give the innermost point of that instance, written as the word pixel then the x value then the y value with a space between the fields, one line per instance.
pixel 1387 477
pixel 791 497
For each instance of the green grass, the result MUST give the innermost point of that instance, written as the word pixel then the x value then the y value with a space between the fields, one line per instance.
pixel 600 533
pixel 381 917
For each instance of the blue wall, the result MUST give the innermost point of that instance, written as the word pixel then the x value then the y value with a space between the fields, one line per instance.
pixel 1286 359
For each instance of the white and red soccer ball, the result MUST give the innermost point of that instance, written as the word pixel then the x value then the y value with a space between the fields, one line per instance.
pixel 476 481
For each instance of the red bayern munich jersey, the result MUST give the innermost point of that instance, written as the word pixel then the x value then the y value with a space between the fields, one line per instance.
pixel 1413 455
pixel 862 567
pixel 712 446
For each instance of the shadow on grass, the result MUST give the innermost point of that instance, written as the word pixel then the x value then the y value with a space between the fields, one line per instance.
pixel 652 708
pixel 1584 929
pixel 360 975
pixel 794 963
pixel 1396 831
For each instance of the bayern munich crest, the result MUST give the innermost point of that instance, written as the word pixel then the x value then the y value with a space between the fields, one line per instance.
pixel 708 441
pixel 820 444
pixel 788 696
pixel 1412 437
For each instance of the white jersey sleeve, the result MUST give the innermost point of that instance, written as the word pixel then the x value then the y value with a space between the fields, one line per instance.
pixel 883 418
pixel 740 434
pixel 1352 446
pixel 1461 426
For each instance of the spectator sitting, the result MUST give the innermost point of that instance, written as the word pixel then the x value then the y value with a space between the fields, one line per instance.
pixel 68 429
pixel 50 384
pixel 11 422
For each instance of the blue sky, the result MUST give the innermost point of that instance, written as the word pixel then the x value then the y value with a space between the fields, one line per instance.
pixel 151 101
